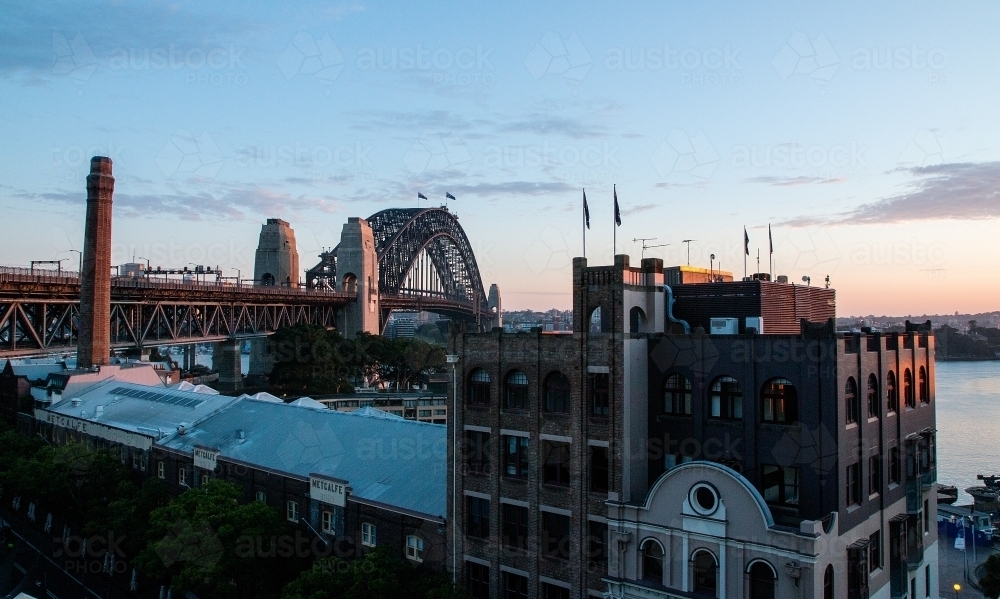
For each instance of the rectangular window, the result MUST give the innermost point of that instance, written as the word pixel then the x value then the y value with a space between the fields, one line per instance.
pixel 292 511
pixel 598 469
pixel 368 538
pixel 600 393
pixel 853 490
pixel 327 522
pixel 927 581
pixel 857 571
pixel 477 452
pixel 875 551
pixel 515 586
pixel 894 466
pixel 477 580
pixel 555 535
pixel 515 526
pixel 161 470
pixel 556 469
pixel 515 456
pixel 136 458
pixel 597 545
pixel 927 516
pixel 415 548
pixel 182 476
pixel 781 485
pixel 874 474
pixel 477 517
pixel 553 591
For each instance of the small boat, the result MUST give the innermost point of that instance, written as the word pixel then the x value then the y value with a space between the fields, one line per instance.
pixel 947 494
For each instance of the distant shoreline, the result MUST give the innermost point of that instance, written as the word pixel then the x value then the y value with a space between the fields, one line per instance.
pixel 938 358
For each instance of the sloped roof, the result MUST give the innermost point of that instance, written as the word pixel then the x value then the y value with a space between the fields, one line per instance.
pixel 144 409
pixel 398 462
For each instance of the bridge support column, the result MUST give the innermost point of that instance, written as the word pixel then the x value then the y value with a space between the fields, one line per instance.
pixel 189 357
pixel 261 361
pixel 357 270
pixel 226 360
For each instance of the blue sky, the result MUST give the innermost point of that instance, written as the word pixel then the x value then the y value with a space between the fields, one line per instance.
pixel 864 135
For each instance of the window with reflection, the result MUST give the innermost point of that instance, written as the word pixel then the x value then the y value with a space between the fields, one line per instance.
pixel 780 402
pixel 677 395
pixel 726 399
pixel 852 404
pixel 516 391
pixel 891 395
pixel 873 396
pixel 479 387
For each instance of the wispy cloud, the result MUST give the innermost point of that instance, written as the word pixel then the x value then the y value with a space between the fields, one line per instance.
pixel 236 203
pixel 638 209
pixel 954 191
pixel 794 181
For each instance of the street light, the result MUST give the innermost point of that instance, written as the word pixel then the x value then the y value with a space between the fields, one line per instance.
pixel 453 360
pixel 958 589
pixel 80 268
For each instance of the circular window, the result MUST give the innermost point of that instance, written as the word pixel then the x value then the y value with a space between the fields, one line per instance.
pixel 704 499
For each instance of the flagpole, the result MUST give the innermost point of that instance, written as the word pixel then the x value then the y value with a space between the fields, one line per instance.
pixel 583 215
pixel 614 227
pixel 746 252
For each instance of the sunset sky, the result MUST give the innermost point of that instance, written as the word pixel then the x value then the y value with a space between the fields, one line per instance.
pixel 865 136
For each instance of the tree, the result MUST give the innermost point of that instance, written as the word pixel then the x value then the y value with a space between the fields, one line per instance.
pixel 208 543
pixel 990 582
pixel 309 359
pixel 377 575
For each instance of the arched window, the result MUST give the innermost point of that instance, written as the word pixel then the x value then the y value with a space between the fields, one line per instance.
pixel 924 389
pixel 637 320
pixel 852 403
pixel 828 583
pixel 780 401
pixel 479 387
pixel 557 393
pixel 516 391
pixel 706 574
pixel 677 395
pixel 891 395
pixel 267 280
pixel 350 283
pixel 652 561
pixel 873 396
pixel 597 320
pixel 762 579
pixel 726 398
pixel 908 396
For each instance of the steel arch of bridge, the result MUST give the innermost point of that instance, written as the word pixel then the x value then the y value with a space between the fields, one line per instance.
pixel 401 234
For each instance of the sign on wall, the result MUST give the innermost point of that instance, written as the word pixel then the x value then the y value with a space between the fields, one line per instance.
pixel 326 490
pixel 205 458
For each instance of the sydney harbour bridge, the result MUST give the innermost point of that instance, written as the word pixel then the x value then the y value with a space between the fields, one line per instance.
pixel 423 258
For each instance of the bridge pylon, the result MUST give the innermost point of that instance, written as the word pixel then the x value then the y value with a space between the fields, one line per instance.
pixel 358 272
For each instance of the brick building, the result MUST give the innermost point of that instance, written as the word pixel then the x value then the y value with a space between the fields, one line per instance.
pixel 600 462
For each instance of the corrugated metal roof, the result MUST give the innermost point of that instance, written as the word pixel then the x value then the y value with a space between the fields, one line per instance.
pixel 394 461
pixel 152 411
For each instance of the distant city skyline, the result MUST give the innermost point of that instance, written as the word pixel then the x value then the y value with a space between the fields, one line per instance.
pixel 863 135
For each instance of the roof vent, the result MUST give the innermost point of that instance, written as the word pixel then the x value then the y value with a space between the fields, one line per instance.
pixel 182 428
pixel 241 435
pixel 76 401
pixel 99 411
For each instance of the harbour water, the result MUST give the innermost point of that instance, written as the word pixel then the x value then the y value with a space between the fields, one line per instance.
pixel 968 422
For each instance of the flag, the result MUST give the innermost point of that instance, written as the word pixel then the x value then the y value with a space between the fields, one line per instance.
pixel 449 196
pixel 421 196
pixel 586 209
pixel 770 240
pixel 618 214
pixel 746 242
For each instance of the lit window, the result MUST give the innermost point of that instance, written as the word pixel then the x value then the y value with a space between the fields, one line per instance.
pixel 292 511
pixel 415 548
pixel 368 534
pixel 780 401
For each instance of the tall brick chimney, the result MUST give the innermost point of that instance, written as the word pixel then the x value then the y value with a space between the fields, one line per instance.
pixel 94 345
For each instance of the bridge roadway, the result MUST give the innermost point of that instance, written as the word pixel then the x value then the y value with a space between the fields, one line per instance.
pixel 39 312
